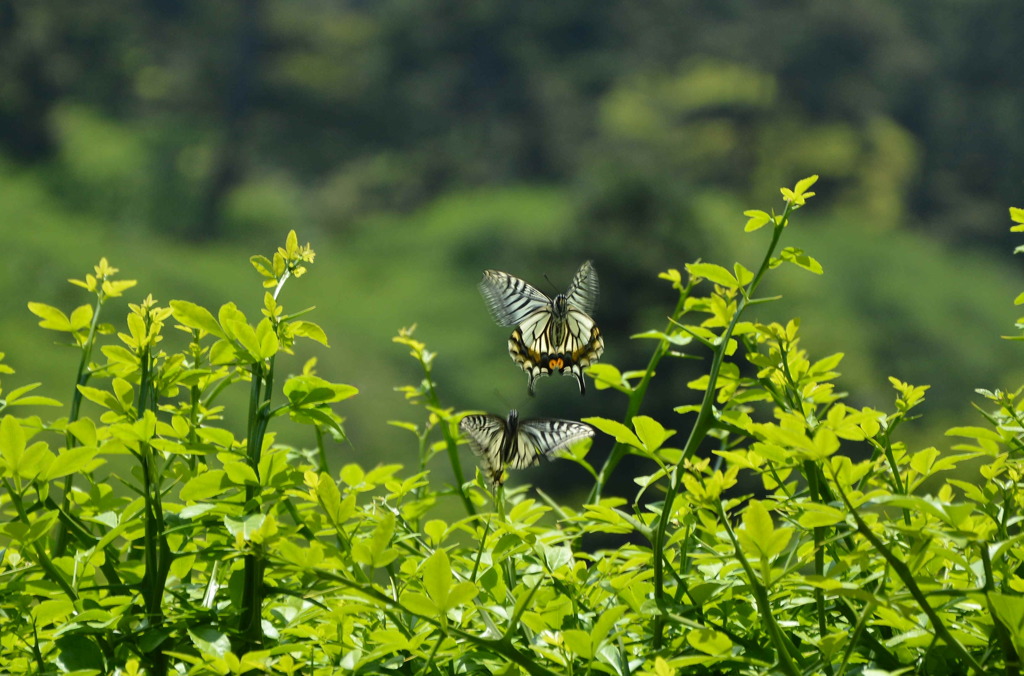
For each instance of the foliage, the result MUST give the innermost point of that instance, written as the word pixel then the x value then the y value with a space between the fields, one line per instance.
pixel 785 530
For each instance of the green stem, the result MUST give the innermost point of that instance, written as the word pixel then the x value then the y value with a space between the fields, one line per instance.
pixel 451 443
pixel 260 394
pixel 81 378
pixel 42 558
pixel 819 557
pixel 904 573
pixel 636 398
pixel 704 422
pixel 157 552
pixel 783 646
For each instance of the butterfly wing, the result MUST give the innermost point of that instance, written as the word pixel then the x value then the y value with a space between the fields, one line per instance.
pixel 544 436
pixel 582 293
pixel 510 299
pixel 486 435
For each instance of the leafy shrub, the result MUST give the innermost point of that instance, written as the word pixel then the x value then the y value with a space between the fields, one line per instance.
pixel 141 534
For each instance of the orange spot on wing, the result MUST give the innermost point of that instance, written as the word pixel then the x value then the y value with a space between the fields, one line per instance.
pixel 556 363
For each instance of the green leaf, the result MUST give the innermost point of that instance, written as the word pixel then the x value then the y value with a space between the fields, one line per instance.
pixel 210 641
pixel 755 220
pixel 709 641
pixel 240 473
pixel 801 259
pixel 651 432
pixel 101 397
pixel 76 653
pixel 71 461
pixel 53 318
pixel 437 578
pixel 759 535
pixel 196 317
pixel 268 343
pixel 1017 216
pixel 713 273
pixel 607 376
pixel 461 593
pixel 605 622
pixel 12 445
pixel 309 330
pixel 84 429
pixel 47 612
pixel 435 529
pixel 208 484
pixel 419 604
pixel 815 515
pixel 245 336
pixel 245 527
pixel 616 430
pixel 971 432
pixel 579 642
pixel 308 390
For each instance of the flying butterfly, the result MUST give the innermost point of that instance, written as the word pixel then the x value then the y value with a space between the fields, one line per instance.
pixel 551 334
pixel 517 444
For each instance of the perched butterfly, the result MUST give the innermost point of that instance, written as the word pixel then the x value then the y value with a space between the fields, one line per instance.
pixel 518 444
pixel 551 334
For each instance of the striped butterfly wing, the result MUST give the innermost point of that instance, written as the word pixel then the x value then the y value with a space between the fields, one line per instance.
pixel 486 436
pixel 582 293
pixel 545 436
pixel 510 300
pixel 517 445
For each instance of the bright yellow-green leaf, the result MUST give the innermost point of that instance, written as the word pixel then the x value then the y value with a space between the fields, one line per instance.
pixel 240 473
pixel 709 641
pixel 53 318
pixel 579 642
pixel 616 430
pixel 815 515
pixel 1017 216
pixel 650 432
pixel 755 219
pixel 713 273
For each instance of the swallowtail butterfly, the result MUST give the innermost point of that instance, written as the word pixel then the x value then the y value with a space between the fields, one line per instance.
pixel 517 444
pixel 551 335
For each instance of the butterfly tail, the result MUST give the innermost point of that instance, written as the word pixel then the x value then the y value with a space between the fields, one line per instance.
pixel 532 384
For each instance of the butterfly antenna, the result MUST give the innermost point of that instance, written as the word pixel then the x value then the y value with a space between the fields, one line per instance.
pixel 554 289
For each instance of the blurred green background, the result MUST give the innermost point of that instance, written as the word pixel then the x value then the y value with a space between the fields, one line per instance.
pixel 414 144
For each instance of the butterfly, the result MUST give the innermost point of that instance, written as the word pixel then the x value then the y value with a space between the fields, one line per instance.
pixel 552 334
pixel 516 443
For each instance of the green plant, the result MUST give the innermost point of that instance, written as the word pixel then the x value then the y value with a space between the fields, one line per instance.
pixel 788 532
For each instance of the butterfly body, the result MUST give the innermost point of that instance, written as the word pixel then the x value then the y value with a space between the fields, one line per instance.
pixel 552 335
pixel 516 444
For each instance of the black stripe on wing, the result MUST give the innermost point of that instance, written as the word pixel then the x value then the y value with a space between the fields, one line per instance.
pixel 509 299
pixel 545 436
pixel 518 444
pixel 582 291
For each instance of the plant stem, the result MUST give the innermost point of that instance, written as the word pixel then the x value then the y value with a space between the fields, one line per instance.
pixel 260 394
pixel 704 421
pixel 81 378
pixel 636 399
pixel 903 571
pixel 783 646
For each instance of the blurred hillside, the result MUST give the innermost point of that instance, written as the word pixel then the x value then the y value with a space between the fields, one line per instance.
pixel 415 144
